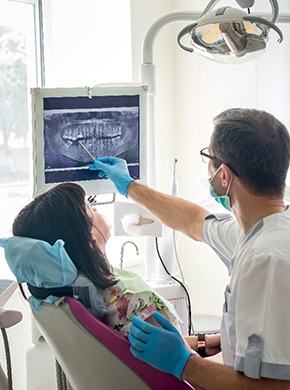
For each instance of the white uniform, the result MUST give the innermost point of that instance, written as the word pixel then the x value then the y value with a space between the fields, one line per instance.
pixel 256 321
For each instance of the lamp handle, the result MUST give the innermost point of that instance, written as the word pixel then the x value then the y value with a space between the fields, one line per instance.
pixel 184 31
pixel 257 19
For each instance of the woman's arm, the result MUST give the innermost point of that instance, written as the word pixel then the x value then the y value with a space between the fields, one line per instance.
pixel 212 343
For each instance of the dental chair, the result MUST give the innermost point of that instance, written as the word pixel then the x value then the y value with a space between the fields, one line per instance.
pixel 93 356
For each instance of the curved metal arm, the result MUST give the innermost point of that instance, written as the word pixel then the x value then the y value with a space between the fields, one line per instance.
pixel 275 10
pixel 209 7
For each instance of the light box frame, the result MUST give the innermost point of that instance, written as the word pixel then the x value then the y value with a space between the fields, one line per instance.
pixel 85 97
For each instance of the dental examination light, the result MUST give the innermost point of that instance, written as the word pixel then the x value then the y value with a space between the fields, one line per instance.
pixel 230 35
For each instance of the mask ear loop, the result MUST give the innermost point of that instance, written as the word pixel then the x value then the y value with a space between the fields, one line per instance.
pixel 211 179
pixel 232 177
pixel 228 189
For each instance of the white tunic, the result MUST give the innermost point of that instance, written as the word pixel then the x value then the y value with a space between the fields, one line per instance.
pixel 256 322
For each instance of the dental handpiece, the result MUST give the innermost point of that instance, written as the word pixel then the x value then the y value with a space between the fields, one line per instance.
pixel 89 153
pixel 174 184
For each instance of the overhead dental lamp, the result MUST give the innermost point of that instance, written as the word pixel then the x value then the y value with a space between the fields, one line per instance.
pixel 230 35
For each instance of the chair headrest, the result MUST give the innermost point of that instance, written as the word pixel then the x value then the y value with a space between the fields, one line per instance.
pixel 39 263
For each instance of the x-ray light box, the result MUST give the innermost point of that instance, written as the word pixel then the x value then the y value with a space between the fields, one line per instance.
pixel 107 120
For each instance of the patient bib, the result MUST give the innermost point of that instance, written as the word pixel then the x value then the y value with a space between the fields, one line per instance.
pixel 132 283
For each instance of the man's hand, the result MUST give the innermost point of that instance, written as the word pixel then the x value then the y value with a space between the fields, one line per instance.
pixel 116 170
pixel 163 348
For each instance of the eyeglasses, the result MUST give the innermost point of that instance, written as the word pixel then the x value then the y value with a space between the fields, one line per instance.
pixel 205 155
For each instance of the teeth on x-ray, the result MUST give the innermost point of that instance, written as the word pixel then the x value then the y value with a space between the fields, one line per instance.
pixel 98 129
pixel 117 142
pixel 67 144
pixel 110 133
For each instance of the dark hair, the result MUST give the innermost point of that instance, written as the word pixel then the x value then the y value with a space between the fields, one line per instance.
pixel 256 145
pixel 60 213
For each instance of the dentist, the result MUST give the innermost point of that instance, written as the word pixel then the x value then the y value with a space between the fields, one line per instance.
pixel 248 159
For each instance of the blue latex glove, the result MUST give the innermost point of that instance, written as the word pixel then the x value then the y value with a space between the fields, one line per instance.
pixel 116 170
pixel 163 348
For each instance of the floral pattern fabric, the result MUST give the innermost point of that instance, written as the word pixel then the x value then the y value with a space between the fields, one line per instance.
pixel 122 307
pixel 116 305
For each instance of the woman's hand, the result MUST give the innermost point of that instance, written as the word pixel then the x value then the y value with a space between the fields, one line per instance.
pixel 212 343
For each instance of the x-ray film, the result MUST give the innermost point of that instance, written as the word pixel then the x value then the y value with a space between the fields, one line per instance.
pixel 107 121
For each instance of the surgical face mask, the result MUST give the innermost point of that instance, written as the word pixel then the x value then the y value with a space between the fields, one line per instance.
pixel 224 200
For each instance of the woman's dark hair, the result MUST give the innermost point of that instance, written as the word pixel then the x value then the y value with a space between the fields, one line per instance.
pixel 256 145
pixel 60 213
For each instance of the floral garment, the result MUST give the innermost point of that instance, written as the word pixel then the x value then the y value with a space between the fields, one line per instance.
pixel 122 307
pixel 130 296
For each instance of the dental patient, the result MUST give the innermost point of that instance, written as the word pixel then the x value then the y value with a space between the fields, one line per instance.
pixel 59 247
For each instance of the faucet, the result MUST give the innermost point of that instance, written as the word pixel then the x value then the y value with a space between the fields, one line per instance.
pixel 122 251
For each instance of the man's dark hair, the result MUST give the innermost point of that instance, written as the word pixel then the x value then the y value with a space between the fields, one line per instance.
pixel 256 146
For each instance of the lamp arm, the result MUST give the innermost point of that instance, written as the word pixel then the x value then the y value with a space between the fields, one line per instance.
pixel 209 7
pixel 275 10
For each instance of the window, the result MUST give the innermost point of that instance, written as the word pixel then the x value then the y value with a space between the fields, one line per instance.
pixel 17 72
pixel 91 46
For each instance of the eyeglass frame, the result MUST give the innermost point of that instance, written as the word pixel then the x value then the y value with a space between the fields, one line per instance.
pixel 214 158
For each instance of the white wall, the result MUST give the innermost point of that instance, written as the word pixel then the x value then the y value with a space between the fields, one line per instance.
pixel 203 89
pixel 191 90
